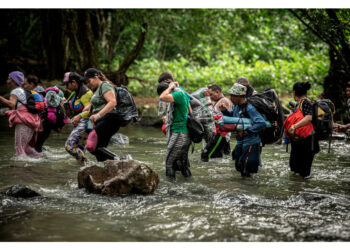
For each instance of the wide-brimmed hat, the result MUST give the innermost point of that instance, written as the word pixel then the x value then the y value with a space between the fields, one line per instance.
pixel 238 90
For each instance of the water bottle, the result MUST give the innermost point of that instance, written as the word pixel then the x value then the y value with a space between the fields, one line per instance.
pixel 161 108
pixel 89 126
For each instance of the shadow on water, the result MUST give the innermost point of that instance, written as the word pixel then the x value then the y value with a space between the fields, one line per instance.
pixel 215 205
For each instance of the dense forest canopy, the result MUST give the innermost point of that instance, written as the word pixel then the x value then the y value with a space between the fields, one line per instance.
pixel 272 47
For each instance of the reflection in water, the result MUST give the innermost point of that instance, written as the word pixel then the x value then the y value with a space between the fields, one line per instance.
pixel 216 205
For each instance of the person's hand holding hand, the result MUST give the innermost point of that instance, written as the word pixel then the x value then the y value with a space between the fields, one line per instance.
pixel 75 120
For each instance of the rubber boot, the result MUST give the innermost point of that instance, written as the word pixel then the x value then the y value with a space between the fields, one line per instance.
pixel 204 156
pixel 170 173
pixel 185 169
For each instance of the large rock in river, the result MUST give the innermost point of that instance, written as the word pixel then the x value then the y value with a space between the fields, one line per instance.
pixel 20 191
pixel 118 178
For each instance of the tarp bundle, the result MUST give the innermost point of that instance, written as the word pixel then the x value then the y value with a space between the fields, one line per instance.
pixel 203 111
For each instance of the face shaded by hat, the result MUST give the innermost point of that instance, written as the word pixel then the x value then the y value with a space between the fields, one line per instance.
pixel 237 90
pixel 70 76
pixel 91 72
pixel 17 77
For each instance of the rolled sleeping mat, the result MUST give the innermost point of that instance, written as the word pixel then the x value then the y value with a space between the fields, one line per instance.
pixel 235 120
pixel 230 127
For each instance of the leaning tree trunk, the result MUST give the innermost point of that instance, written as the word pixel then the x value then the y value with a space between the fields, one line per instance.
pixel 119 77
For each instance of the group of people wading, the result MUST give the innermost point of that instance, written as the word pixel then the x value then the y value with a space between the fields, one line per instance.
pixel 93 112
pixel 98 110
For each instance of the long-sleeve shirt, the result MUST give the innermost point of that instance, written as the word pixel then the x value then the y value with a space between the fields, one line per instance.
pixel 258 123
pixel 80 100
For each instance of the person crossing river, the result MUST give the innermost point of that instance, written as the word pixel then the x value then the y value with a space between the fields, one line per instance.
pixel 76 108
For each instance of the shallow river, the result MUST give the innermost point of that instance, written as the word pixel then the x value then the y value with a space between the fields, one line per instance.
pixel 216 205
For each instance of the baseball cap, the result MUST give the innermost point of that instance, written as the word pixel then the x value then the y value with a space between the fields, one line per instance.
pixel 91 72
pixel 70 76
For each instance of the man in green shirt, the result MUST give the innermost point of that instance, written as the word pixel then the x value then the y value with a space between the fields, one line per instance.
pixel 176 126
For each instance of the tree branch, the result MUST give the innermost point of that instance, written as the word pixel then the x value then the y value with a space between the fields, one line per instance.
pixel 143 82
pixel 130 58
pixel 308 26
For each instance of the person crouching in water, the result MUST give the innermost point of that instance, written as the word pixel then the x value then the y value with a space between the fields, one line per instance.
pixel 76 110
pixel 26 124
pixel 178 138
pixel 220 142
pixel 247 151
pixel 106 121
pixel 302 151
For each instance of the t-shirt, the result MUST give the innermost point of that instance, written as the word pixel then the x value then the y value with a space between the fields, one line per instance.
pixel 98 102
pixel 306 107
pixel 181 103
pixel 21 96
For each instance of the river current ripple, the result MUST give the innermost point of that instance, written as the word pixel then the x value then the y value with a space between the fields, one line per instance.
pixel 215 205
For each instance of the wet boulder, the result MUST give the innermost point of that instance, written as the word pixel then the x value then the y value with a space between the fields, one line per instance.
pixel 118 178
pixel 149 116
pixel 119 139
pixel 19 191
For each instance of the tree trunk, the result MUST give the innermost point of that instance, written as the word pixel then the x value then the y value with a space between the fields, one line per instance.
pixel 53 42
pixel 119 77
pixel 334 86
pixel 87 40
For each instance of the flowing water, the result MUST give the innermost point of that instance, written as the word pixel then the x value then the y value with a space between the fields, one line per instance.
pixel 216 205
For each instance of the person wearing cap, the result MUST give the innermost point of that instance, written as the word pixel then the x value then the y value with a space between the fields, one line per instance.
pixel 247 151
pixel 26 124
pixel 106 122
pixel 76 107
pixel 250 90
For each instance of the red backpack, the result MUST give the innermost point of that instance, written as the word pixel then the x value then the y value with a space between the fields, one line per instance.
pixel 295 117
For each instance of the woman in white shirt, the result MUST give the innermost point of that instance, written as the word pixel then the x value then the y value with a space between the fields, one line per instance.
pixel 26 124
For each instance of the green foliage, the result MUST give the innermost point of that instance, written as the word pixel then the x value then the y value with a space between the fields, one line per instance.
pixel 281 74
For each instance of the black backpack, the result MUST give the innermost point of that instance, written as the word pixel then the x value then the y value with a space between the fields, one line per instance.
pixel 35 102
pixel 322 120
pixel 126 106
pixel 269 106
pixel 195 129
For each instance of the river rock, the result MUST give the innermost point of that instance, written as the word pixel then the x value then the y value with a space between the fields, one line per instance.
pixel 119 139
pixel 20 191
pixel 149 116
pixel 118 178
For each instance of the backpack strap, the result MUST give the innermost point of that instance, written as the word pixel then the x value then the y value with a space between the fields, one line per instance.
pixel 300 105
pixel 100 89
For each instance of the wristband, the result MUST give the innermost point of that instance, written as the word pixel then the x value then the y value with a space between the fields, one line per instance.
pixel 99 116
